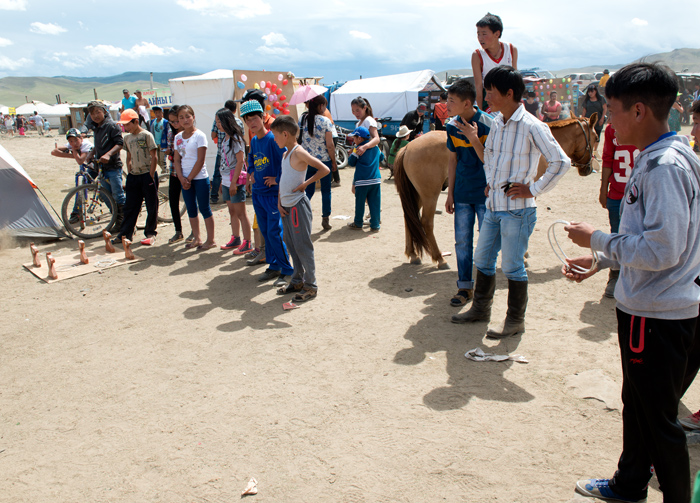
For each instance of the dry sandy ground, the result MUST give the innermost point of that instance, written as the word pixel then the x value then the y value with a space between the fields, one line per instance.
pixel 178 378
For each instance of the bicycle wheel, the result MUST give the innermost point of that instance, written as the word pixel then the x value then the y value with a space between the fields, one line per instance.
pixel 384 147
pixel 164 214
pixel 88 210
pixel 341 156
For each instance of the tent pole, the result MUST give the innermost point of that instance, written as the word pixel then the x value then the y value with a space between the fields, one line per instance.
pixel 68 233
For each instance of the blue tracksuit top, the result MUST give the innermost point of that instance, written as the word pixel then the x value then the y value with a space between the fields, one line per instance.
pixel 366 166
pixel 265 159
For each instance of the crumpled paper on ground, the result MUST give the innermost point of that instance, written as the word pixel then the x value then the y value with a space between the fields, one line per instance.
pixel 478 355
pixel 595 384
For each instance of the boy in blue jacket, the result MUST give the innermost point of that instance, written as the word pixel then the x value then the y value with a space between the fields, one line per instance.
pixel 366 184
pixel 264 169
pixel 657 251
pixel 159 129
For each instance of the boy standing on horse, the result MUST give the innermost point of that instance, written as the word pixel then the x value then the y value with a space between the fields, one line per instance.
pixel 658 253
pixel 511 156
pixel 466 134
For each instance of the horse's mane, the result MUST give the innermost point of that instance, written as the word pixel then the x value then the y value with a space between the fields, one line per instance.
pixel 564 122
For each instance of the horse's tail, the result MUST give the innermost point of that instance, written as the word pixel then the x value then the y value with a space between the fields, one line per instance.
pixel 410 202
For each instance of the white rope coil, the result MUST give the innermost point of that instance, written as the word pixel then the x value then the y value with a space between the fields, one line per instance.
pixel 559 252
pixel 105 263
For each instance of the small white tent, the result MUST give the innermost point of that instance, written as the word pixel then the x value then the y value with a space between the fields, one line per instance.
pixel 390 96
pixel 206 94
pixel 21 211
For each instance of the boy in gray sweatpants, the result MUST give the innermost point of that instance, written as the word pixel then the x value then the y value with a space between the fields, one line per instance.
pixel 295 208
pixel 657 251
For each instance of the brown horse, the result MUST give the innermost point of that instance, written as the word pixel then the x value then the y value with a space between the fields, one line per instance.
pixel 420 171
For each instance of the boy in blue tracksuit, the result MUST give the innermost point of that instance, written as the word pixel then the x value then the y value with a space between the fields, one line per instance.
pixel 366 184
pixel 159 129
pixel 264 169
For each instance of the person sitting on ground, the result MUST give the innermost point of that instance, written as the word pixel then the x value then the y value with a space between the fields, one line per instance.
pixel 551 109
pixel 466 181
pixel 366 184
pixel 492 53
pixel 265 166
pixel 295 208
pixel 657 293
pixel 141 180
pixel 108 145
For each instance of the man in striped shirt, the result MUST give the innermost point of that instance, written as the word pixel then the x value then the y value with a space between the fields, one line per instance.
pixel 511 155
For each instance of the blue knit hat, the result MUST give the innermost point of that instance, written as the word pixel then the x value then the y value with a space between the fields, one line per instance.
pixel 249 107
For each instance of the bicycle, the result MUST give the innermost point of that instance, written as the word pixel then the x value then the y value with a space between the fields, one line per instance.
pixel 89 209
pixel 164 214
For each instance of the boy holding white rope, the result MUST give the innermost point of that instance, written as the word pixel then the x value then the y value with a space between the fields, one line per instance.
pixel 658 253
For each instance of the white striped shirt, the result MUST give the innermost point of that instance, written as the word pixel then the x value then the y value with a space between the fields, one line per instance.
pixel 511 154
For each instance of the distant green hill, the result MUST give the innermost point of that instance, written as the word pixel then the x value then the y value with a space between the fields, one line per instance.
pixel 14 91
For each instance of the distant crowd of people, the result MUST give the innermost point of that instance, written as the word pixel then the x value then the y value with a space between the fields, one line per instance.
pixel 19 124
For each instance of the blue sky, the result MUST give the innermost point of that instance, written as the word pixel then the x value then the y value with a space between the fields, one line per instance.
pixel 336 39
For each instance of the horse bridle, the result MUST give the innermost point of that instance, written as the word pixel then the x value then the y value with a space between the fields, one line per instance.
pixel 589 147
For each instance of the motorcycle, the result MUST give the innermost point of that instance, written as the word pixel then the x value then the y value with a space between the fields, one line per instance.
pixel 345 145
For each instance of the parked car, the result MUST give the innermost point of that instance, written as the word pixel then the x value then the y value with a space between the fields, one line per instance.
pixel 582 79
pixel 537 74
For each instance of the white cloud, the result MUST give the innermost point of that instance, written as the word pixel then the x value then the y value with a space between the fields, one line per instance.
pixel 640 22
pixel 242 9
pixel 272 39
pixel 46 28
pixel 5 42
pixel 360 34
pixel 194 49
pixel 13 64
pixel 13 4
pixel 137 51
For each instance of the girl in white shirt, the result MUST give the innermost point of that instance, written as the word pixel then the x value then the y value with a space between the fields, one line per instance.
pixel 362 111
pixel 188 158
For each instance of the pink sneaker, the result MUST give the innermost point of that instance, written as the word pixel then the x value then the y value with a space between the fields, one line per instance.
pixel 244 248
pixel 149 241
pixel 234 243
pixel 692 422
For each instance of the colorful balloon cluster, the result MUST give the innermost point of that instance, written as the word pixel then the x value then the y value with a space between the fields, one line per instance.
pixel 277 102
pixel 542 90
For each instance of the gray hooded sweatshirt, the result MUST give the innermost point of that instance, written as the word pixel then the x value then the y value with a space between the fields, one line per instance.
pixel 658 247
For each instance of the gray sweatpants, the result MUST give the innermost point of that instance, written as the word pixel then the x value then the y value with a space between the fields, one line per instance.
pixel 297 237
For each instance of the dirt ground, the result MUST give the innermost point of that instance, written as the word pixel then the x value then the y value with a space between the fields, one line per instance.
pixel 178 378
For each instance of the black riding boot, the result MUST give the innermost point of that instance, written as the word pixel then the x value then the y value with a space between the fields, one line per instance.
pixel 120 218
pixel 515 317
pixel 480 309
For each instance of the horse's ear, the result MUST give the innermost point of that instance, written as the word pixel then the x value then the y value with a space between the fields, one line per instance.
pixel 573 113
pixel 592 121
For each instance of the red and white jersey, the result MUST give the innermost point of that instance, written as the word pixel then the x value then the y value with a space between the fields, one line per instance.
pixel 621 158
pixel 487 63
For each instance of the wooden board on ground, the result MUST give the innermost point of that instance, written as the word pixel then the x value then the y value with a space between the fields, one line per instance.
pixel 68 265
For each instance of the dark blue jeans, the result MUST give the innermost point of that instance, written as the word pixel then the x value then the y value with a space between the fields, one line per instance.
pixel 216 179
pixel 325 189
pixel 613 206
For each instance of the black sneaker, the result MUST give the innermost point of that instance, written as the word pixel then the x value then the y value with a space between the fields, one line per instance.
pixel 268 275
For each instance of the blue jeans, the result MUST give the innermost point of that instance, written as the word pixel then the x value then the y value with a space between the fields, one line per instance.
pixel 465 215
pixel 613 206
pixel 216 179
pixel 197 196
pixel 325 189
pixel 373 195
pixel 114 176
pixel 507 231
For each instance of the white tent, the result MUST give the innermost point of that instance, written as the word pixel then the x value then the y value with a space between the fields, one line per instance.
pixel 21 211
pixel 4 109
pixel 205 94
pixel 51 113
pixel 390 96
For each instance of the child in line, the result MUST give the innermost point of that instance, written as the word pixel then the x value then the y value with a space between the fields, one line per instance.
pixel 265 166
pixel 295 208
pixel 141 180
pixel 233 180
pixel 362 111
pixel 366 185
pixel 159 129
pixel 466 180
pixel 190 152
pixel 174 187
pixel 658 253
pixel 77 149
pixel 618 161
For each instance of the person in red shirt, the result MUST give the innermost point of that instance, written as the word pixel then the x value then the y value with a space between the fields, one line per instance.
pixel 618 161
pixel 440 113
